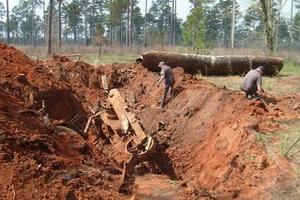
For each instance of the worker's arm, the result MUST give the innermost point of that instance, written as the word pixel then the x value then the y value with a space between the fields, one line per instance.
pixel 260 89
pixel 160 79
pixel 162 76
pixel 259 85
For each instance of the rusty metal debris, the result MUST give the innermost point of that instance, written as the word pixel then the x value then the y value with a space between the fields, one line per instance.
pixel 30 111
pixel 73 55
pixel 140 147
pixel 90 120
pixel 104 83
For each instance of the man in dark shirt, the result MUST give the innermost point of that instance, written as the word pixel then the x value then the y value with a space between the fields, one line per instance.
pixel 167 74
pixel 253 83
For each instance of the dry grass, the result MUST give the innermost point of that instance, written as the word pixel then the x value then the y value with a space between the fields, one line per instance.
pixel 289 147
pixel 290 140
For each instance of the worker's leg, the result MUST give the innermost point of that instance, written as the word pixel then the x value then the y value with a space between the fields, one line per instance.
pixel 163 99
pixel 252 94
pixel 246 94
pixel 170 91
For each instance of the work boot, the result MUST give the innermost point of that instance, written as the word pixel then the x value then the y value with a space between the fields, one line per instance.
pixel 161 109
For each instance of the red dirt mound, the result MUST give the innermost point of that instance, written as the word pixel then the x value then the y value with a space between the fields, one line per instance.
pixel 37 160
pixel 74 73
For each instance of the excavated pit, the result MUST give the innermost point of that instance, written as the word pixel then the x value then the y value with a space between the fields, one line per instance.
pixel 207 148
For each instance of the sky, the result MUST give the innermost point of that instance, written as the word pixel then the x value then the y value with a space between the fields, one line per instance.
pixel 183 6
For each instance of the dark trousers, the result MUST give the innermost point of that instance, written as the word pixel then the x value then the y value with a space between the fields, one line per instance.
pixel 168 90
pixel 252 93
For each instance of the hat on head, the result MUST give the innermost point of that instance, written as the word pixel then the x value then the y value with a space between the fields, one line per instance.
pixel 161 64
pixel 261 68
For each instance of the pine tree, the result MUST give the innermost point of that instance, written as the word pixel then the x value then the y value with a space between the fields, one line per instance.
pixel 2 14
pixel 50 27
pixel 7 22
pixel 73 11
pixel 194 28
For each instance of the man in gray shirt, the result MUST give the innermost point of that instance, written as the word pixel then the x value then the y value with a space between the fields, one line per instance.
pixel 253 83
pixel 167 74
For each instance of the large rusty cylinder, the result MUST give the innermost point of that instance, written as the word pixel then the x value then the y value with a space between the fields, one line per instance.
pixel 213 65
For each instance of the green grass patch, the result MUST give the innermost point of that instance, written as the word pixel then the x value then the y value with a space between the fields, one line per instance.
pixel 290 68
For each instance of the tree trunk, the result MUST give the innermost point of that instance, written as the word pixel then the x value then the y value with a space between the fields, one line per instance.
pixel 32 24
pixel 145 25
pixel 59 23
pixel 66 30
pixel 292 12
pixel 277 29
pixel 92 28
pixel 121 31
pixel 127 25
pixel 175 20
pixel 110 35
pixel 233 24
pixel 292 22
pixel 44 17
pixel 194 28
pixel 130 24
pixel 74 35
pixel 85 30
pixel 50 27
pixel 172 24
pixel 7 22
pixel 269 31
pixel 111 28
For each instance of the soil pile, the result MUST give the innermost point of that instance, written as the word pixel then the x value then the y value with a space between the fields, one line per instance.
pixel 40 157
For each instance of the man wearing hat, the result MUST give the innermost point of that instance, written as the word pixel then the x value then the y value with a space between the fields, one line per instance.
pixel 253 83
pixel 167 74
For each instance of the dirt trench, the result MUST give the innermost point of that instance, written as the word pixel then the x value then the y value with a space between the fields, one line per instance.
pixel 208 148
pixel 209 135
